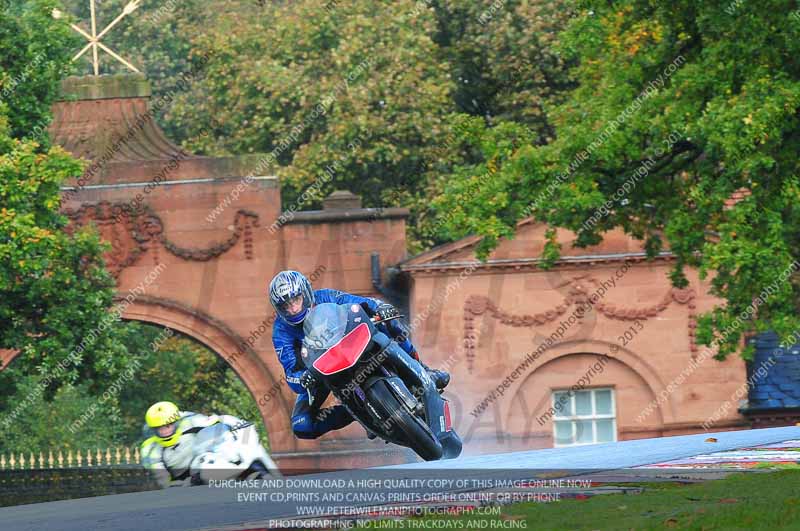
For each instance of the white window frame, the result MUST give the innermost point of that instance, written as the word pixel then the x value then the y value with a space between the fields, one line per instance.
pixel 593 417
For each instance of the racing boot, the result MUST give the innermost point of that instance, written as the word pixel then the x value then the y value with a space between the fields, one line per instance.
pixel 440 378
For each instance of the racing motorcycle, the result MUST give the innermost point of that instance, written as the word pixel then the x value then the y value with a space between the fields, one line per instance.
pixel 384 388
pixel 229 452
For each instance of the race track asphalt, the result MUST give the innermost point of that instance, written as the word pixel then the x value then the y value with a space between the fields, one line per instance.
pixel 180 509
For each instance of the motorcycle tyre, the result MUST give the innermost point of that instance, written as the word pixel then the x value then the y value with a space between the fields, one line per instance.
pixel 417 434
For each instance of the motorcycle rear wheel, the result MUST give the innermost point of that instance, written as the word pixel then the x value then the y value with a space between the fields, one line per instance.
pixel 417 434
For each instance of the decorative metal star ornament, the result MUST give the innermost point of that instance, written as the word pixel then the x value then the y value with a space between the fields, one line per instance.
pixel 94 38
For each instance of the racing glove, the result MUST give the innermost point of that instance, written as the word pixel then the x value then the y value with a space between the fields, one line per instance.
pixel 386 311
pixel 309 381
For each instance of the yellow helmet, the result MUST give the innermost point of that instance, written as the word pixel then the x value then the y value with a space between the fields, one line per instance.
pixel 163 417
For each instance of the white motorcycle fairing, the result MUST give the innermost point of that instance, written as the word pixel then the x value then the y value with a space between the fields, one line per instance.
pixel 222 452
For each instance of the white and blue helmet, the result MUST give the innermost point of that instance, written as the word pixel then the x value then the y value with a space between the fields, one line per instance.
pixel 287 285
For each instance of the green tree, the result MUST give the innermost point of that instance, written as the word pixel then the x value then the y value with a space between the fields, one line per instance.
pixel 34 56
pixel 54 288
pixel 504 59
pixel 46 423
pixel 507 71
pixel 475 197
pixel 356 87
pixel 107 409
pixel 685 102
pixel 386 132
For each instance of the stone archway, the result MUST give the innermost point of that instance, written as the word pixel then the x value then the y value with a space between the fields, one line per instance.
pixel 215 335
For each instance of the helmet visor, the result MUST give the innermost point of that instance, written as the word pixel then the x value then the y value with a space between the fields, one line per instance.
pixel 293 306
pixel 167 430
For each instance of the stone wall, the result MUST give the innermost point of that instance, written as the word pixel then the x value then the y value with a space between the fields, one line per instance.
pixel 511 335
pixel 18 487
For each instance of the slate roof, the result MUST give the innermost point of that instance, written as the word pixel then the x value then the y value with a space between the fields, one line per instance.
pixel 779 388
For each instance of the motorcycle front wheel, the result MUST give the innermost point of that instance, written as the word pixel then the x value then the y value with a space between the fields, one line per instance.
pixel 417 434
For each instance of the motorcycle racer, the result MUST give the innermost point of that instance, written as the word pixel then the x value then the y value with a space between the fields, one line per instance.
pixel 291 296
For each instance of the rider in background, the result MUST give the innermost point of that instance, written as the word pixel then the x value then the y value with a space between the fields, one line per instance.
pixel 170 433
pixel 291 296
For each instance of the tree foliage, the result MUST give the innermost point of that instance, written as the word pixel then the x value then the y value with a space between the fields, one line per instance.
pixel 34 57
pixel 54 288
pixel 686 102
pixel 46 422
pixel 385 80
pixel 351 96
pixel 55 292
pixel 504 59
pixel 105 410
